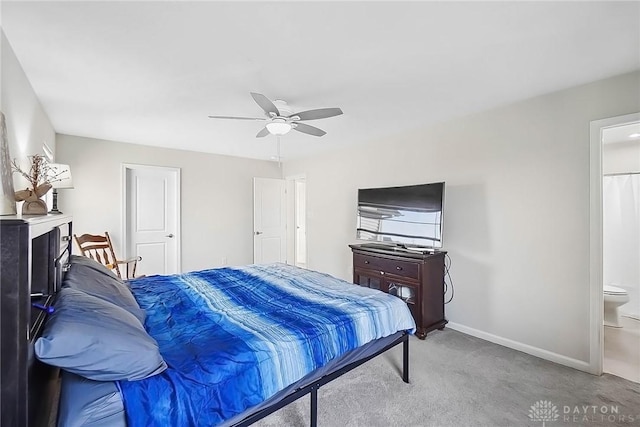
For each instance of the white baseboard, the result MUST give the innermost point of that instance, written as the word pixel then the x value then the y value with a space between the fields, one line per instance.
pixel 525 348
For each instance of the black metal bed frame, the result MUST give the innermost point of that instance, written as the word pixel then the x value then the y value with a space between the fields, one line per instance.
pixel 315 385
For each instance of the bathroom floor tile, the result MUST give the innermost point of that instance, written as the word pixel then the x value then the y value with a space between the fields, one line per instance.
pixel 622 350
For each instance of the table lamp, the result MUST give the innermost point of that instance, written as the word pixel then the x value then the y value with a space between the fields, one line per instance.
pixel 60 178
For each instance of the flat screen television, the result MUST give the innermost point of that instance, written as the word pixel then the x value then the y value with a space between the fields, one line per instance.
pixel 409 216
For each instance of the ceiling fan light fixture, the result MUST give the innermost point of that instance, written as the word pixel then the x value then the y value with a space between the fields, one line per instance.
pixel 280 121
pixel 278 127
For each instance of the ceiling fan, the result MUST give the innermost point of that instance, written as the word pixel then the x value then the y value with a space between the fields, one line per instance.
pixel 281 120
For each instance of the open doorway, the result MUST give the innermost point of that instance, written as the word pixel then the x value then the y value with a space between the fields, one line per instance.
pixel 615 247
pixel 297 219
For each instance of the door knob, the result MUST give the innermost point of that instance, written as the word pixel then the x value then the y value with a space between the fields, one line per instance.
pixel 258 232
pixel 169 236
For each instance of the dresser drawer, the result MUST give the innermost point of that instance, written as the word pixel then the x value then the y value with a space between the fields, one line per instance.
pixel 388 266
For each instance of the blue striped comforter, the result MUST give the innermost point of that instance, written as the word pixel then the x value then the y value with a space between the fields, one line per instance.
pixel 233 337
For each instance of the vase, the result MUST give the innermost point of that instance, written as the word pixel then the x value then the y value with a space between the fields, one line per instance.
pixel 34 207
pixel 33 204
pixel 7 201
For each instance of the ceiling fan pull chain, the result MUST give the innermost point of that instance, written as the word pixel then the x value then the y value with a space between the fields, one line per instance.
pixel 279 158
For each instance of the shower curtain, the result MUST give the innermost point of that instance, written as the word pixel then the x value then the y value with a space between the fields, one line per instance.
pixel 621 237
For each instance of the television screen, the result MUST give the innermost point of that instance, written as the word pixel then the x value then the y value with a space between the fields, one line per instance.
pixel 409 215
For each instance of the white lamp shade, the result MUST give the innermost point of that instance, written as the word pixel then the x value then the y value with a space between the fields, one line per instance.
pixel 60 175
pixel 278 127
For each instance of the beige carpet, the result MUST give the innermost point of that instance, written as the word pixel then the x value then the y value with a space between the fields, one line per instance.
pixel 459 380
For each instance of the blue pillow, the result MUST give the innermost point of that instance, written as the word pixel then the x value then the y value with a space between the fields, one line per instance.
pixel 88 403
pixel 91 263
pixel 97 340
pixel 93 278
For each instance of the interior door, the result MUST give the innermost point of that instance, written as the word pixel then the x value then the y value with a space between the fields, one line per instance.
pixel 269 221
pixel 152 215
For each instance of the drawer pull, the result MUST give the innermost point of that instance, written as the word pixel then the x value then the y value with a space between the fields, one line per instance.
pixel 66 238
pixel 382 273
pixel 366 262
pixel 398 268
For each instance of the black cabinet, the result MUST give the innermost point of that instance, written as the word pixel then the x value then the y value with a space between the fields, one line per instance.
pixel 415 277
pixel 34 251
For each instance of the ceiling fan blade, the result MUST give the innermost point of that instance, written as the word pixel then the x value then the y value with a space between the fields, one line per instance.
pixel 320 113
pixel 263 132
pixel 311 130
pixel 236 118
pixel 265 104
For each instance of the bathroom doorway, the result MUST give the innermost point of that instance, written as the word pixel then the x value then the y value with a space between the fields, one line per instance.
pixel 621 249
pixel 618 278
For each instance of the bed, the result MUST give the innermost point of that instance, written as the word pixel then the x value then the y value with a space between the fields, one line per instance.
pixel 223 347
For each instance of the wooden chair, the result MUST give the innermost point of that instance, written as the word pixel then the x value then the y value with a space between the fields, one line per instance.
pixel 99 248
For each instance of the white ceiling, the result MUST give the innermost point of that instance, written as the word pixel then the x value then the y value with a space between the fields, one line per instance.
pixel 150 72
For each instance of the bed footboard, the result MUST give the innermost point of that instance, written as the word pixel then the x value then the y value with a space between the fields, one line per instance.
pixel 315 385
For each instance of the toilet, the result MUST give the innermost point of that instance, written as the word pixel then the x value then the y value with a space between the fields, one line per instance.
pixel 614 297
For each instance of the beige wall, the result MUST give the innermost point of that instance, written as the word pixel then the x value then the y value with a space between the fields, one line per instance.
pixel 217 196
pixel 516 221
pixel 28 125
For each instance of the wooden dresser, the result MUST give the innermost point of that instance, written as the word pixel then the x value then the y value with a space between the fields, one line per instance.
pixel 415 277
pixel 34 251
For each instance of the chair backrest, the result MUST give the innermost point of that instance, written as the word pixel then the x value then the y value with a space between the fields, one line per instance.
pixel 98 248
